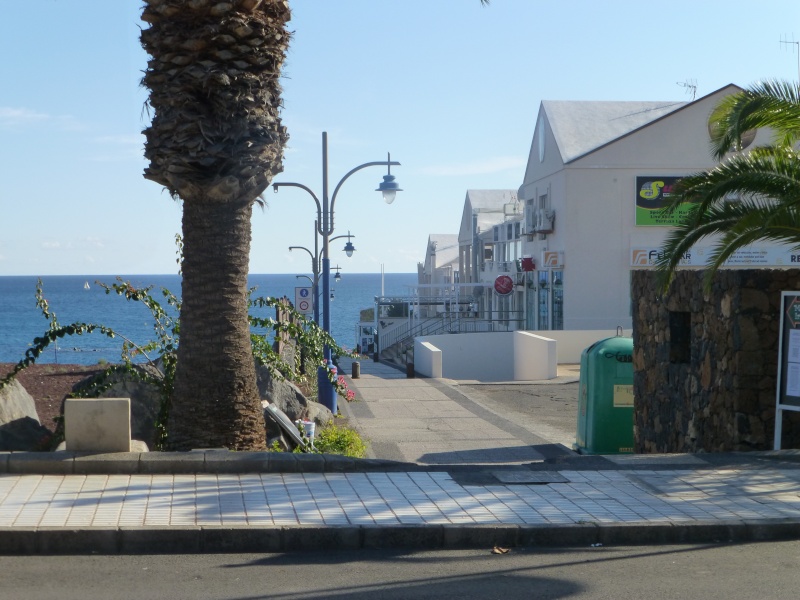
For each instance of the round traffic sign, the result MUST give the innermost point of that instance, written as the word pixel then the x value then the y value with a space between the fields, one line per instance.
pixel 503 285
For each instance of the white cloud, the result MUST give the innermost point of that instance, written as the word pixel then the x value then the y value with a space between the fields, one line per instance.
pixel 480 167
pixel 10 116
pixel 25 117
pixel 120 147
pixel 51 245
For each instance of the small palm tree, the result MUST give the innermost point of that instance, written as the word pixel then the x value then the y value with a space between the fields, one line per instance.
pixel 750 196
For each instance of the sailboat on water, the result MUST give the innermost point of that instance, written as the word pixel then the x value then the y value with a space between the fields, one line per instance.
pixel 86 285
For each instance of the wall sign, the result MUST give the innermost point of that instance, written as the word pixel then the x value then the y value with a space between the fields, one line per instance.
pixel 653 193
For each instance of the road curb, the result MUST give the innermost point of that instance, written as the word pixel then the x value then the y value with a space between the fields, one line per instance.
pixel 242 539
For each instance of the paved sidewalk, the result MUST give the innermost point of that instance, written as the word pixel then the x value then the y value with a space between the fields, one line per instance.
pixel 252 502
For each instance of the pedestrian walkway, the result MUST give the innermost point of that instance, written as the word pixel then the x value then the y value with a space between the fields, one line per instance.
pixel 434 422
pixel 217 501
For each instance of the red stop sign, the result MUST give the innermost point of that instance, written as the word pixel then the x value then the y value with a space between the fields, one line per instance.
pixel 503 285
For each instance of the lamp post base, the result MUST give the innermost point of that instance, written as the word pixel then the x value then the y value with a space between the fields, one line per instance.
pixel 326 394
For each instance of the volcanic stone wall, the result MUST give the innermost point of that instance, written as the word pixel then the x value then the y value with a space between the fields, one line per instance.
pixel 705 362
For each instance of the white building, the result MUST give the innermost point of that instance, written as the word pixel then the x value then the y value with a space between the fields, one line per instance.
pixel 596 174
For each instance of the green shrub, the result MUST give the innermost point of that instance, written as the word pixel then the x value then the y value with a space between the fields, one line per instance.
pixel 335 439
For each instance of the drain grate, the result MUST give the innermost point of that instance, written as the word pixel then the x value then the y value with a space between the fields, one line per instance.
pixel 529 477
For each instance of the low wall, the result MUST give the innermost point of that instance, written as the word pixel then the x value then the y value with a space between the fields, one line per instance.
pixel 500 356
pixel 571 344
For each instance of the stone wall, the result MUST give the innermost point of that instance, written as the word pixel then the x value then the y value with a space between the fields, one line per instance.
pixel 705 362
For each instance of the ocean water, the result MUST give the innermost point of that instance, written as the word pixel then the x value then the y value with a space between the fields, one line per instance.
pixel 21 321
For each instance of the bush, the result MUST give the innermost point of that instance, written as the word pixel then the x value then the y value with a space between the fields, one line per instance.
pixel 333 439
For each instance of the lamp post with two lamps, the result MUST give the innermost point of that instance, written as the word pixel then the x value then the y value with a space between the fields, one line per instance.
pixel 325 227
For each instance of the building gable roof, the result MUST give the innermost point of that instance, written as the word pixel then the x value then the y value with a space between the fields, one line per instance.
pixel 488 206
pixel 582 126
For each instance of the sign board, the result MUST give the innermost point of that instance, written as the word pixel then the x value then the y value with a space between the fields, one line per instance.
pixel 552 259
pixel 503 285
pixel 652 195
pixel 304 300
pixel 751 256
pixel 787 395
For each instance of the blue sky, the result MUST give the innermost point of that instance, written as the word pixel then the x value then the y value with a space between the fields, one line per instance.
pixel 449 87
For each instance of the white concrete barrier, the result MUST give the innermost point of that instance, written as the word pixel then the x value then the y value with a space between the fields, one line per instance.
pixel 97 424
pixel 427 359
pixel 501 356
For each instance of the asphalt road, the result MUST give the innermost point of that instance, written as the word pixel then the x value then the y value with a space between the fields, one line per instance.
pixel 549 411
pixel 767 571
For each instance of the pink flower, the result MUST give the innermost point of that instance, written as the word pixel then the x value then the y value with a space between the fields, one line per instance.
pixel 351 395
pixel 342 381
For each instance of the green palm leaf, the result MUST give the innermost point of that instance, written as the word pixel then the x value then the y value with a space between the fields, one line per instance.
pixel 749 197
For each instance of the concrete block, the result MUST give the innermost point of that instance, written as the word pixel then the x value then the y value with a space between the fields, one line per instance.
pixel 236 462
pixel 118 463
pixel 86 540
pixel 172 462
pixel 41 463
pixel 760 530
pixel 98 424
pixel 242 539
pixel 17 541
pixel 421 537
pixel 283 462
pixel 480 536
pixel 338 463
pixel 330 537
pixel 169 539
pixel 555 536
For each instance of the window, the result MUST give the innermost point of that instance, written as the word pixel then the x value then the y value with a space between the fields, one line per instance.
pixel 680 337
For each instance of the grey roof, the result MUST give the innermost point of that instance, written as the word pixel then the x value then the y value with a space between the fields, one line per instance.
pixel 582 126
pixel 446 247
pixel 488 205
pixel 491 199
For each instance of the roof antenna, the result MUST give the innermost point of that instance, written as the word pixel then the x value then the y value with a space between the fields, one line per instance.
pixel 796 49
pixel 690 85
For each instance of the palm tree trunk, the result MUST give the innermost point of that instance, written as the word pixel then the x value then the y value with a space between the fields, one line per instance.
pixel 215 401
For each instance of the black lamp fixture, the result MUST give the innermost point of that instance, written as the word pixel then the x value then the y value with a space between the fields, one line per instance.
pixel 348 247
pixel 338 277
pixel 389 187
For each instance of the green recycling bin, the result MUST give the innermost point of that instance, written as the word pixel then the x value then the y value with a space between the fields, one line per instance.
pixel 605 398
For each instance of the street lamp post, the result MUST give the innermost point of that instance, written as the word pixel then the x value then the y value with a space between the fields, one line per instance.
pixel 325 226
pixel 315 268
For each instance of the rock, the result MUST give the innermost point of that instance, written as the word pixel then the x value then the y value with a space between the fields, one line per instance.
pixel 16 403
pixel 145 400
pixel 20 429
pixel 25 434
pixel 288 397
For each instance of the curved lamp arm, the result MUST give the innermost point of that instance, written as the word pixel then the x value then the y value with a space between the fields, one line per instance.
pixel 379 163
pixel 275 187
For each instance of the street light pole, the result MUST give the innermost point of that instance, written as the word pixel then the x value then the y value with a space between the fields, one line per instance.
pixel 315 264
pixel 325 224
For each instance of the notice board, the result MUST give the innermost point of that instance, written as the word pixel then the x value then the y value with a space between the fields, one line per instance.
pixel 787 395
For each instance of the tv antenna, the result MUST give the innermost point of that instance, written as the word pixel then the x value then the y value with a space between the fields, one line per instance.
pixel 796 49
pixel 690 85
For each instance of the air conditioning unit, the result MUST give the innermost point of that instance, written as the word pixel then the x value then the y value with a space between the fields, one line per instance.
pixel 545 219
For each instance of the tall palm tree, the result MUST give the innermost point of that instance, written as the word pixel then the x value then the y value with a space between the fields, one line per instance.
pixel 749 196
pixel 215 143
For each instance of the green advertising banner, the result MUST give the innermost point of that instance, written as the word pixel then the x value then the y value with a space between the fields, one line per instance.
pixel 652 195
